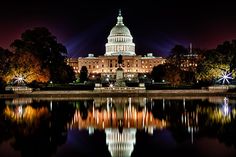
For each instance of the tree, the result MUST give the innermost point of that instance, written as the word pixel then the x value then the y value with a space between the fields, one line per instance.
pixel 210 73
pixel 67 74
pixel 25 68
pixel 51 54
pixel 177 54
pixel 228 52
pixel 173 75
pixel 174 72
pixel 167 72
pixel 4 66
pixel 83 74
pixel 2 84
pixel 158 72
pixel 211 67
pixel 5 60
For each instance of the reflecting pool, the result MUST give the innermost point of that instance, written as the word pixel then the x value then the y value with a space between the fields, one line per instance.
pixel 118 127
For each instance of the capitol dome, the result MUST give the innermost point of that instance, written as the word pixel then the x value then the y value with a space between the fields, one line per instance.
pixel 120 40
pixel 120 30
pixel 120 144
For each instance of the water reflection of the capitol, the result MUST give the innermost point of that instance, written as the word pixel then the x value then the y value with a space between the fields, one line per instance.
pixel 120 118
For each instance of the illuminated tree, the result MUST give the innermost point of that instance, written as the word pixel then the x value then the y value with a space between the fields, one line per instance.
pixel 212 66
pixel 51 54
pixel 211 72
pixel 25 68
pixel 5 59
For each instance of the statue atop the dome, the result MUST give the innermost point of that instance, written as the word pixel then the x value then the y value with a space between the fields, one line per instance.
pixel 119 12
pixel 120 19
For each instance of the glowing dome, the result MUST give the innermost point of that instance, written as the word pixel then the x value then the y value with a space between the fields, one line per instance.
pixel 120 40
pixel 121 30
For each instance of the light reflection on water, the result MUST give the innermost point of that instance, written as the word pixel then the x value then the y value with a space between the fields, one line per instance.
pixel 122 125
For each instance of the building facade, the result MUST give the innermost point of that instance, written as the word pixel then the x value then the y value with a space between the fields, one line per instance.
pixel 120 42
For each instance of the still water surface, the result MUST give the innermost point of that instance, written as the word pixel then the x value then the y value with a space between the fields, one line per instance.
pixel 118 126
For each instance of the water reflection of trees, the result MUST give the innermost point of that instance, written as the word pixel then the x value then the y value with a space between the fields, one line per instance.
pixel 218 123
pixel 4 124
pixel 199 118
pixel 26 117
pixel 38 128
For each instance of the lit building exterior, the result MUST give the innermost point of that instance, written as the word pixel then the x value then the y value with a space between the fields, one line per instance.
pixel 120 42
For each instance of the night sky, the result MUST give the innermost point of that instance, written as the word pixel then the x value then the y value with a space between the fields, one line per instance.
pixel 156 26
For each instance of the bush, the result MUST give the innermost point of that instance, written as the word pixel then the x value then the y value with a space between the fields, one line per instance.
pixel 89 86
pixel 36 84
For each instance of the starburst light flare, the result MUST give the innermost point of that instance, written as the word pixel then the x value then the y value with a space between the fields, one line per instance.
pixel 225 77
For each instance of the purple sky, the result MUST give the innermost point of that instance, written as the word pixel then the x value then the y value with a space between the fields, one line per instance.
pixel 157 26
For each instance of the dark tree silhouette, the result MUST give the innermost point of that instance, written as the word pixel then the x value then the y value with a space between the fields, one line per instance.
pixel 177 54
pixel 158 72
pixel 5 60
pixel 83 74
pixel 228 51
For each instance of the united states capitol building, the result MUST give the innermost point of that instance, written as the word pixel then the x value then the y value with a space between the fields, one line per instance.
pixel 120 42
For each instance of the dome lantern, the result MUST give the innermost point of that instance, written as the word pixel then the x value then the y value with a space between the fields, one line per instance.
pixel 120 19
